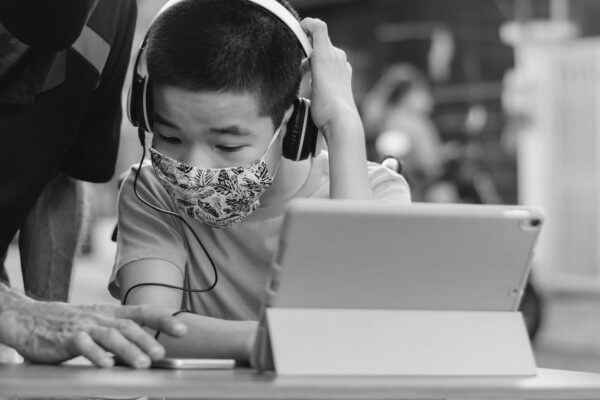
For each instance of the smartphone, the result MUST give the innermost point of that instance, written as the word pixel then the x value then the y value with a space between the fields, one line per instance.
pixel 194 363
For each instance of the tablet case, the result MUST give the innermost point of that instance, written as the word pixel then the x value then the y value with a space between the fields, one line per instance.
pixel 343 265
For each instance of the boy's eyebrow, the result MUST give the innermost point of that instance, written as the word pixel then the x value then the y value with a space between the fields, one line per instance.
pixel 230 130
pixel 225 130
pixel 163 121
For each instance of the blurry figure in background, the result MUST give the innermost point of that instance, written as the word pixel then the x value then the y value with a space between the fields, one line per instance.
pixel 518 104
pixel 397 118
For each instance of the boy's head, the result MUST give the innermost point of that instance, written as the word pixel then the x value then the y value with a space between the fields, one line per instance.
pixel 231 46
pixel 224 73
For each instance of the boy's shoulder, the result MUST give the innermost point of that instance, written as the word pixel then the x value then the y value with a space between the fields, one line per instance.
pixel 385 183
pixel 377 170
pixel 388 184
pixel 145 175
pixel 148 185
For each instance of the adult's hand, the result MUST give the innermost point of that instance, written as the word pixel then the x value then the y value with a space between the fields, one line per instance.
pixel 52 332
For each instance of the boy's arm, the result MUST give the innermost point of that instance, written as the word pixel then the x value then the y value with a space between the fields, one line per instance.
pixel 335 114
pixel 207 337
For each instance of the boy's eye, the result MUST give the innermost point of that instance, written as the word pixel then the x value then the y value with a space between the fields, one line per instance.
pixel 229 149
pixel 170 139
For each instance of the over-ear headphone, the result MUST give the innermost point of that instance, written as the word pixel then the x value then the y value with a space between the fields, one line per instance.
pixel 301 139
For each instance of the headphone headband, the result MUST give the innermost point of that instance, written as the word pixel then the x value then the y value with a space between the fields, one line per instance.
pixel 275 8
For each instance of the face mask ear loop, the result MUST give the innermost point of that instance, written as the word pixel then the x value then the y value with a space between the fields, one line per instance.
pixel 142 136
pixel 275 135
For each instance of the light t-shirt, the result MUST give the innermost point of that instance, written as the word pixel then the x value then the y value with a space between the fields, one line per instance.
pixel 241 253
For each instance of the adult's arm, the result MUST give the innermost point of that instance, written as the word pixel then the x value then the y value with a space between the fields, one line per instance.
pixel 50 237
pixel 52 332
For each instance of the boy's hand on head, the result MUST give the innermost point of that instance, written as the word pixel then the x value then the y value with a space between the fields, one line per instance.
pixel 332 99
pixel 335 114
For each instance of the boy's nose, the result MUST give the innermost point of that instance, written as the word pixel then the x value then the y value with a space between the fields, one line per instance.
pixel 197 156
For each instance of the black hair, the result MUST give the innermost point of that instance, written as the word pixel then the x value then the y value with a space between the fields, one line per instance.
pixel 227 46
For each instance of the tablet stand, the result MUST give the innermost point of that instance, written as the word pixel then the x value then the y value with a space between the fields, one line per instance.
pixel 311 341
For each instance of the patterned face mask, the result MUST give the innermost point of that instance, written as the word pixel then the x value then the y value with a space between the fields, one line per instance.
pixel 218 197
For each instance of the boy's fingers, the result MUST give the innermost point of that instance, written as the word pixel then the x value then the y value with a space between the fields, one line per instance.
pixel 341 54
pixel 137 335
pixel 305 66
pixel 157 319
pixel 317 31
pixel 84 345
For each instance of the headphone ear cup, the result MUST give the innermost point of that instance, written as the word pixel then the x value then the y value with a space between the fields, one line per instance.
pixel 130 106
pixel 140 103
pixel 301 133
pixel 292 134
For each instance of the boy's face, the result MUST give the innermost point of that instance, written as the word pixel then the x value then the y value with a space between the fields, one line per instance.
pixel 210 129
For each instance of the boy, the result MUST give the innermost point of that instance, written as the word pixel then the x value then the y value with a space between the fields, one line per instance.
pixel 224 76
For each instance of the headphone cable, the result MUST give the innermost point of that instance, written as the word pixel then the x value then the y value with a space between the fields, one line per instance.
pixel 141 135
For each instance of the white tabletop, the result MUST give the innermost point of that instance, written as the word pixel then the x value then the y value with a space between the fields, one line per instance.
pixel 22 380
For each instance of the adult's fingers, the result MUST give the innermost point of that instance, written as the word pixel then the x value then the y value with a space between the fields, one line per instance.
pixel 317 31
pixel 84 345
pixel 157 319
pixel 114 341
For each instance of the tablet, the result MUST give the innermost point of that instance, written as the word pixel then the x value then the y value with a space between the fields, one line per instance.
pixel 185 363
pixel 373 255
pixel 193 363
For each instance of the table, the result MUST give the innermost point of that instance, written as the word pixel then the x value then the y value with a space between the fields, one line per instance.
pixel 23 380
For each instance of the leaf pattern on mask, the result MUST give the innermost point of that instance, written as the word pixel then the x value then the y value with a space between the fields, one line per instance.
pixel 184 168
pixel 218 197
pixel 210 210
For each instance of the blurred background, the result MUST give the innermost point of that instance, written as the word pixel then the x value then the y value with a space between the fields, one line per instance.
pixel 484 101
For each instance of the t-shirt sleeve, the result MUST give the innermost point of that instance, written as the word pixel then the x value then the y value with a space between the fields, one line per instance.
pixel 144 233
pixel 387 184
pixel 93 153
